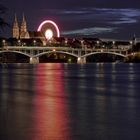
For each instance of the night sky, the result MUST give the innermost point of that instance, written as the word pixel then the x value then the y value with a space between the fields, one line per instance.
pixel 119 19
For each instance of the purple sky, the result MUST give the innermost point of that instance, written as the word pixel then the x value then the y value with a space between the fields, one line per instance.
pixel 89 18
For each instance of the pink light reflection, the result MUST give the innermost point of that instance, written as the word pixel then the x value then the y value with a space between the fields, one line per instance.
pixel 50 112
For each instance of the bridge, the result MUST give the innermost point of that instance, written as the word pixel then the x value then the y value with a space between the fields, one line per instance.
pixel 34 52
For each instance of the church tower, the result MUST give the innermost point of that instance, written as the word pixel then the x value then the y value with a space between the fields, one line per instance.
pixel 15 28
pixel 134 40
pixel 23 25
pixel 23 30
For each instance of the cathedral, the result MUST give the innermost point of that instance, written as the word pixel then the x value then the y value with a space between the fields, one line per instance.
pixel 20 31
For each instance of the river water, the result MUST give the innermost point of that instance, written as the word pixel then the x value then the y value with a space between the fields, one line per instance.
pixel 70 102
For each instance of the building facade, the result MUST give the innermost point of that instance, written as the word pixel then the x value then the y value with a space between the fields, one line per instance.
pixel 15 29
pixel 21 32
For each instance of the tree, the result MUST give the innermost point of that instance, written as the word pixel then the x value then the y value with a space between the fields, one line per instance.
pixel 3 23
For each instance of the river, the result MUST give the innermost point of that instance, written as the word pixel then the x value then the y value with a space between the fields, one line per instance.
pixel 70 101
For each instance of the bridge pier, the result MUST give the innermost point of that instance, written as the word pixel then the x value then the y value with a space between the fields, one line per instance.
pixel 81 60
pixel 34 60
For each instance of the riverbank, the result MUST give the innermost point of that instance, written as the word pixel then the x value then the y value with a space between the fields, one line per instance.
pixel 135 58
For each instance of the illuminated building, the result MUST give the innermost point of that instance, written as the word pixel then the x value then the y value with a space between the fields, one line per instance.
pixel 23 33
pixel 46 31
pixel 15 28
pixel 23 30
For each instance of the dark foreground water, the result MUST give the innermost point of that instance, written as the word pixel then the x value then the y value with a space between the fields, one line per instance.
pixel 70 102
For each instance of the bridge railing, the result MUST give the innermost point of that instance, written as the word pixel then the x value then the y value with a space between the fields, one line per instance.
pixel 60 48
pixel 33 50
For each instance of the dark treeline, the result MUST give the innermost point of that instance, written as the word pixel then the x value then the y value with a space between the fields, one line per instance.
pixel 3 23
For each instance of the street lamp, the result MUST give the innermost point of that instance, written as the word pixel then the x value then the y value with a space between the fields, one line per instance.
pixel 113 44
pixel 131 45
pixel 4 42
pixel 24 44
pixel 19 42
pixel 66 41
pixel 98 43
pixel 131 42
pixel 34 42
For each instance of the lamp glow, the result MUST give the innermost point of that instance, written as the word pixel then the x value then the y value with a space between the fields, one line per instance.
pixel 48 34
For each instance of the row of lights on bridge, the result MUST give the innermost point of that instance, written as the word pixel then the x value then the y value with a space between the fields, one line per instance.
pixel 4 43
pixel 34 42
pixel 113 42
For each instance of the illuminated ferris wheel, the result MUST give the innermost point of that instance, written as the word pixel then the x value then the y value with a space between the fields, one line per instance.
pixel 49 28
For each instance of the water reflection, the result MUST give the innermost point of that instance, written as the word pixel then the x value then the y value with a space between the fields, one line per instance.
pixel 50 110
pixel 103 105
pixel 15 107
pixel 77 102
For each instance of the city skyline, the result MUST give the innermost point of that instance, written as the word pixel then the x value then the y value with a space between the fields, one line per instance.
pixel 103 19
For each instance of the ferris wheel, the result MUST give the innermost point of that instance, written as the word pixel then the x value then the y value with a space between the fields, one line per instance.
pixel 49 28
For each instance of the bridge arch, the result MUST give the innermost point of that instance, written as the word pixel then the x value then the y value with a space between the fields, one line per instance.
pixel 57 56
pixel 10 56
pixel 102 57
pixel 94 53
pixel 61 52
pixel 17 52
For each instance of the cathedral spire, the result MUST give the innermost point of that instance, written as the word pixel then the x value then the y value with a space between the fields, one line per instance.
pixel 15 21
pixel 23 24
pixel 134 40
pixel 15 28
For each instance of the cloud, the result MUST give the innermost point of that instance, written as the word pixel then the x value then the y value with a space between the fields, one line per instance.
pixel 123 16
pixel 106 15
pixel 125 21
pixel 89 31
pixel 120 22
